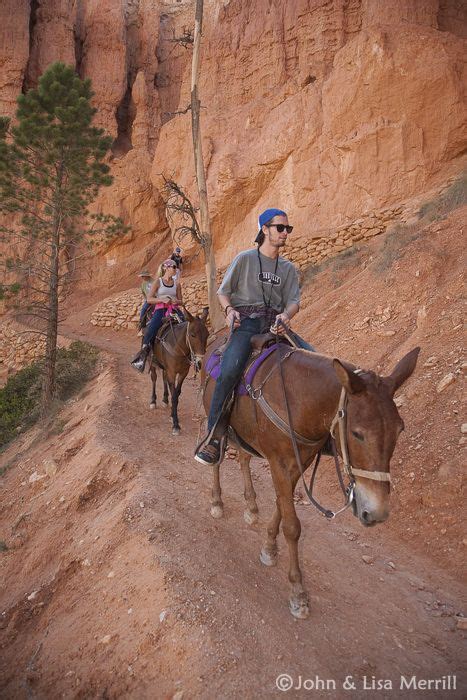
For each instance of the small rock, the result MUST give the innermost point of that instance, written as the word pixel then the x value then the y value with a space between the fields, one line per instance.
pixel 367 559
pixel 105 639
pixel 162 615
pixel 32 595
pixel 399 400
pixel 50 467
pixel 421 316
pixel 391 564
pixel 36 477
pixel 464 428
pixel 462 623
pixel 129 611
pixel 445 382
pixel 86 562
pixel 111 574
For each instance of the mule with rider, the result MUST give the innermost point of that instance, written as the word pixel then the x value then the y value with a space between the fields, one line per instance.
pixel 290 405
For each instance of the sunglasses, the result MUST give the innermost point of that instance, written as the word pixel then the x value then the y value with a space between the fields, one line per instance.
pixel 281 228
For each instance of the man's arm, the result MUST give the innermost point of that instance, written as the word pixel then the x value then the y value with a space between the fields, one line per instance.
pixel 291 298
pixel 230 314
pixel 229 284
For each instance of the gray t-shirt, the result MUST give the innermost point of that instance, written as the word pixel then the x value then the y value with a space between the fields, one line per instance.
pixel 248 283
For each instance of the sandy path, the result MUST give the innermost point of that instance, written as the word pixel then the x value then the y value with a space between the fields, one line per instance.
pixel 368 620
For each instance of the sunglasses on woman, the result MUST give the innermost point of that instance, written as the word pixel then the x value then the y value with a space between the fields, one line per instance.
pixel 281 228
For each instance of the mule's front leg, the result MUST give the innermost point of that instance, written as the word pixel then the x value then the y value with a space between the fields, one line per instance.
pixel 174 394
pixel 268 554
pixel 152 403
pixel 284 482
pixel 217 507
pixel 165 398
pixel 250 515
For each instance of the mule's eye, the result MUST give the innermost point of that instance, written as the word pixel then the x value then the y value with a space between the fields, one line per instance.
pixel 358 435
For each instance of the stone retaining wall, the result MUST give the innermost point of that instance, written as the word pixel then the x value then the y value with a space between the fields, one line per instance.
pixel 122 311
pixel 19 347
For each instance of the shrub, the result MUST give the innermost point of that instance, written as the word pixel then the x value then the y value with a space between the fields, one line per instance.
pixel 453 197
pixel 20 397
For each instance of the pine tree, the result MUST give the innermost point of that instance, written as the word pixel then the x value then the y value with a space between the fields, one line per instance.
pixel 51 169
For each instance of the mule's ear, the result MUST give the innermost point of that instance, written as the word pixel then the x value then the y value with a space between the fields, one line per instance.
pixel 402 370
pixel 205 313
pixel 188 315
pixel 347 377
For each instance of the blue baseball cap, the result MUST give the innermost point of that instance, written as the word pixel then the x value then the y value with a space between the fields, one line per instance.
pixel 266 216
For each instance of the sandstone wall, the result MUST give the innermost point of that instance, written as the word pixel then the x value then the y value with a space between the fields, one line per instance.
pixel 328 109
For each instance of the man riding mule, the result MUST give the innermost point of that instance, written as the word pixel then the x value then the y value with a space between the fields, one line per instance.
pixel 259 289
pixel 294 402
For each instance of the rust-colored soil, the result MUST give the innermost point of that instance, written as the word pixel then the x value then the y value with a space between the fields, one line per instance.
pixel 118 583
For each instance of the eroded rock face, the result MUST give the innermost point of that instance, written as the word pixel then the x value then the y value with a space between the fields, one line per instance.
pixel 14 52
pixel 331 110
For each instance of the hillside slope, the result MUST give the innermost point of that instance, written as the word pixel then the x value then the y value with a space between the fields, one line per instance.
pixel 118 582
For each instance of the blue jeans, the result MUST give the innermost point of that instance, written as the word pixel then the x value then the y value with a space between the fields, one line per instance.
pixel 234 361
pixel 144 308
pixel 155 323
pixel 153 326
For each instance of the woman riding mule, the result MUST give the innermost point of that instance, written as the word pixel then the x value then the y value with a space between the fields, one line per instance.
pixel 166 295
pixel 259 289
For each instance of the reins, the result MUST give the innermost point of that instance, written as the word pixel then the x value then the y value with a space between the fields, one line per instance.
pixel 340 420
pixel 191 357
pixel 348 491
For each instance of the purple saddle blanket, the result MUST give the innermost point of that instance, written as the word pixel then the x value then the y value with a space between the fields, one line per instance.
pixel 213 368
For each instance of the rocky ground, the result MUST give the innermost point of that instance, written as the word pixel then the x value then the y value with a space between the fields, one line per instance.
pixel 120 584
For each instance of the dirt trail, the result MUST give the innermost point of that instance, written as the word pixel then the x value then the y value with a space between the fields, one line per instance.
pixel 176 604
pixel 367 619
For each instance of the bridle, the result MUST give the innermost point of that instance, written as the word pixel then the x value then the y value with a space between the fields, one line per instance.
pixel 340 420
pixel 191 356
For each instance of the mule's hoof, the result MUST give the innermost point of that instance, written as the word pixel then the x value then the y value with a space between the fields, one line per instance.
pixel 152 406
pixel 175 431
pixel 299 607
pixel 268 559
pixel 217 512
pixel 165 403
pixel 250 518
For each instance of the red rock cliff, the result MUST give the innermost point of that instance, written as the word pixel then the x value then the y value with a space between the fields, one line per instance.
pixel 328 108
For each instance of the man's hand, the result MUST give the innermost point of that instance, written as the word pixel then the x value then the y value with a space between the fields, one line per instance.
pixel 281 321
pixel 232 316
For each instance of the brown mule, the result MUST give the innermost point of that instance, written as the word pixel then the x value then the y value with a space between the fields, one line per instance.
pixel 182 345
pixel 314 386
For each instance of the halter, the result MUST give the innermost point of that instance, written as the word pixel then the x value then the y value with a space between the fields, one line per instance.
pixel 191 357
pixel 339 419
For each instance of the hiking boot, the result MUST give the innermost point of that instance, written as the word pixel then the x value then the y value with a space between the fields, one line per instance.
pixel 139 361
pixel 210 454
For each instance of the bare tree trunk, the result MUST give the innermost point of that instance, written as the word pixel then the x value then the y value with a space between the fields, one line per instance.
pixel 48 379
pixel 209 259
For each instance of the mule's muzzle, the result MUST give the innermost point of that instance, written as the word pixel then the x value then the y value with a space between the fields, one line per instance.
pixel 371 506
pixel 198 360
